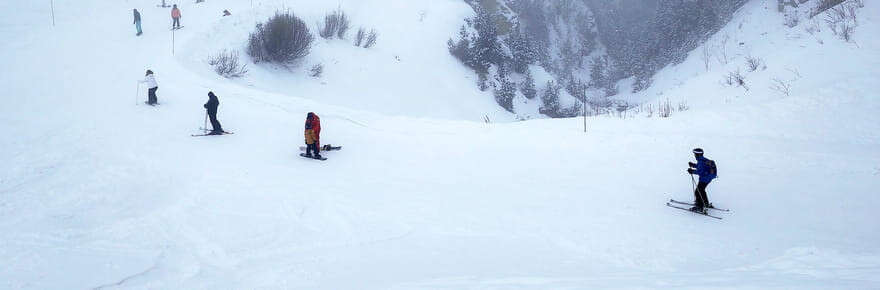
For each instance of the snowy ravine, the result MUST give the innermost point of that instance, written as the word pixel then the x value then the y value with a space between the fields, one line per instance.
pixel 99 193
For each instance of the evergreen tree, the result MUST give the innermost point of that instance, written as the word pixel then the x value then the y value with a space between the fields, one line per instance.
pixel 505 89
pixel 550 99
pixel 528 86
pixel 487 50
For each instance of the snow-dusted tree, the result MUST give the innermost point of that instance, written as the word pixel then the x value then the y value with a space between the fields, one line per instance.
pixel 528 86
pixel 550 99
pixel 461 49
pixel 599 74
pixel 505 89
pixel 486 48
pixel 522 50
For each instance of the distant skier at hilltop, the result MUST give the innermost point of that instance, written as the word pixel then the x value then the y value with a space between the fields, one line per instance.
pixel 707 171
pixel 175 15
pixel 313 136
pixel 137 22
pixel 150 80
pixel 211 107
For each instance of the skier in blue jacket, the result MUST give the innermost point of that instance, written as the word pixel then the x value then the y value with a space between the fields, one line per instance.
pixel 707 171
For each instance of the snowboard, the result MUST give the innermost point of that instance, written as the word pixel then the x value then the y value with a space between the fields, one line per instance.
pixel 327 147
pixel 306 156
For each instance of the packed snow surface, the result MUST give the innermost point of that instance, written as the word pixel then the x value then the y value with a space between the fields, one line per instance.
pixel 98 191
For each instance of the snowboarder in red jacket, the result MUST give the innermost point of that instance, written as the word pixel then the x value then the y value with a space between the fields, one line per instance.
pixel 313 135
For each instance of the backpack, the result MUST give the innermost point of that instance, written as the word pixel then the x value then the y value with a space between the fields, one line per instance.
pixel 713 170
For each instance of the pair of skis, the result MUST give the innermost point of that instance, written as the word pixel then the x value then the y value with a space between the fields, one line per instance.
pixel 682 206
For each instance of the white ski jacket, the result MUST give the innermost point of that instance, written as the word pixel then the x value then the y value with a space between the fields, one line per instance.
pixel 151 81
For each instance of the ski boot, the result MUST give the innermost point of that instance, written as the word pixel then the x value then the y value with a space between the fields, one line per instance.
pixel 318 156
pixel 698 209
pixel 709 205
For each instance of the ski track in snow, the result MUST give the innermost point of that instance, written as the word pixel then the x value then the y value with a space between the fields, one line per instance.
pixel 95 190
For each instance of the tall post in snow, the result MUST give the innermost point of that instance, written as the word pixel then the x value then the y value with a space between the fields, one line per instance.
pixel 585 109
pixel 52 6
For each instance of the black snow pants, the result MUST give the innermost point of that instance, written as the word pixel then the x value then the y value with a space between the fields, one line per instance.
pixel 313 147
pixel 215 124
pixel 700 198
pixel 151 96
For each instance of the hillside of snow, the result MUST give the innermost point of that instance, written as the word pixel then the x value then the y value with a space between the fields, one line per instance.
pixel 98 191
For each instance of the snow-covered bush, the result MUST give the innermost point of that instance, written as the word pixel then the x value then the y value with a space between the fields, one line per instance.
pixel 792 19
pixel 754 63
pixel 227 64
pixel 372 37
pixel 335 24
pixel 781 86
pixel 736 78
pixel 284 38
pixel 843 19
pixel 360 36
pixel 316 71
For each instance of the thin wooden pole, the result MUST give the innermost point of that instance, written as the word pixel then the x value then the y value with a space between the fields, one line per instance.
pixel 585 110
pixel 52 4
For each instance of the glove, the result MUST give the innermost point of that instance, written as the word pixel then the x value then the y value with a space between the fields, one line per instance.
pixel 692 164
pixel 691 170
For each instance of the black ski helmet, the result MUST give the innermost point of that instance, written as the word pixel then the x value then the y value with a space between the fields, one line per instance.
pixel 149 72
pixel 698 151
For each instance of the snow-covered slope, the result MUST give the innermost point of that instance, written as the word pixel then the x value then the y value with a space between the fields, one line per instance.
pixel 97 192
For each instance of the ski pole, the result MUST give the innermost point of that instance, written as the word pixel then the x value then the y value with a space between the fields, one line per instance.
pixel 138 92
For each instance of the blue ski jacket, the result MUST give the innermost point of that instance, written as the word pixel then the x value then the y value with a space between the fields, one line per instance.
pixel 703 170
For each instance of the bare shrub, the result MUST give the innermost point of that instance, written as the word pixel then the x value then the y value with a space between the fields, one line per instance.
pixel 360 36
pixel 781 86
pixel 317 71
pixel 227 64
pixel 335 24
pixel 665 108
pixel 284 38
pixel 795 72
pixel 813 28
pixel 706 56
pixel 371 39
pixel 683 106
pixel 824 5
pixel 843 19
pixel 721 51
pixel 754 63
pixel 649 110
pixel 792 19
pixel 736 78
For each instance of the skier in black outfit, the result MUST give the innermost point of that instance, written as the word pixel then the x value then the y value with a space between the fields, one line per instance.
pixel 707 171
pixel 211 106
